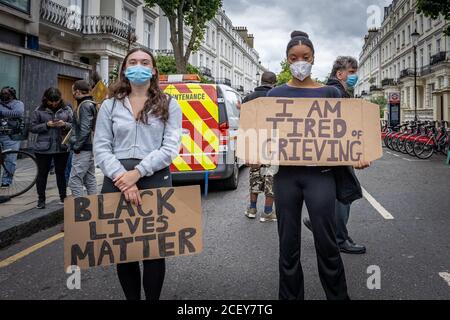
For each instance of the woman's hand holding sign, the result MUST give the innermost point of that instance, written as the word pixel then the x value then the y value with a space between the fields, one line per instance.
pixel 362 165
pixel 133 195
pixel 126 182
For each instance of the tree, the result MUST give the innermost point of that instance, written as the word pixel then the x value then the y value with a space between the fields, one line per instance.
pixel 382 102
pixel 192 13
pixel 285 75
pixel 167 65
pixel 435 8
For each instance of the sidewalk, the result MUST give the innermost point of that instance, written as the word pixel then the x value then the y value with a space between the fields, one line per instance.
pixel 19 218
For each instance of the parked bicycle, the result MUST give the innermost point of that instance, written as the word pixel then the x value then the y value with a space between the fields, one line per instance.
pixel 420 139
pixel 25 170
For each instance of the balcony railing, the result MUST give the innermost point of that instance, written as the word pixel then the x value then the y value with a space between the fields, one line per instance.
pixel 387 82
pixel 205 71
pixel 407 73
pixel 374 88
pixel 425 70
pixel 224 81
pixel 164 52
pixel 439 57
pixel 239 88
pixel 75 21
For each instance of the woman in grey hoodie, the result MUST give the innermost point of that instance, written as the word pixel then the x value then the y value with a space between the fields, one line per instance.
pixel 137 136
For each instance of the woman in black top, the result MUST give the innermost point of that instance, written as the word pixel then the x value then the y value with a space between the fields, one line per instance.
pixel 313 185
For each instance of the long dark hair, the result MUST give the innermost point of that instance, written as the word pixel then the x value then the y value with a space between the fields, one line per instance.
pixel 52 95
pixel 157 102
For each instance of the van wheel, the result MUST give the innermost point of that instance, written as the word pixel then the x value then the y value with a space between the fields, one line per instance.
pixel 232 182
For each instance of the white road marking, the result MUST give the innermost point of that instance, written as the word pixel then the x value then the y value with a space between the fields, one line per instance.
pixel 377 206
pixel 445 276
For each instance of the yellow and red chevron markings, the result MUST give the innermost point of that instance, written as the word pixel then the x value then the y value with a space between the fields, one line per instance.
pixel 200 147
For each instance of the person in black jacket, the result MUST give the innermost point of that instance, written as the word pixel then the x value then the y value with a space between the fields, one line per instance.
pixel 51 122
pixel 83 168
pixel 261 177
pixel 344 77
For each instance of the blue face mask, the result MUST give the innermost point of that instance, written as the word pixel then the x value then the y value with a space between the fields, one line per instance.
pixel 139 75
pixel 352 80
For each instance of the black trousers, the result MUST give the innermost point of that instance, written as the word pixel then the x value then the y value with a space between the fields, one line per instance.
pixel 154 270
pixel 316 187
pixel 44 163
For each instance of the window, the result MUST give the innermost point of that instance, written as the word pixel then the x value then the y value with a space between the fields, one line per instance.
pixel 128 16
pixel 207 35
pixel 10 71
pixel 213 38
pixel 438 45
pixel 148 26
pixel 21 5
pixel 201 60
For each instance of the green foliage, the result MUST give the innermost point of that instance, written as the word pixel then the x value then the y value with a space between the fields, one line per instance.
pixel 285 75
pixel 435 8
pixel 114 74
pixel 382 102
pixel 194 14
pixel 167 65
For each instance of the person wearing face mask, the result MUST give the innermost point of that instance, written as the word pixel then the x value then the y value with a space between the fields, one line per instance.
pixel 8 103
pixel 343 76
pixel 137 136
pixel 51 121
pixel 313 185
pixel 82 173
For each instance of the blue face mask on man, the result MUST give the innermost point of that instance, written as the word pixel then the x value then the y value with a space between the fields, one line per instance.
pixel 352 79
pixel 139 75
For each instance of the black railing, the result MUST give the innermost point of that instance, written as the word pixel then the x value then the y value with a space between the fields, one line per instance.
pixel 205 71
pixel 75 21
pixel 407 73
pixel 425 70
pixel 439 57
pixel 224 81
pixel 374 88
pixel 387 82
pixel 164 52
pixel 239 88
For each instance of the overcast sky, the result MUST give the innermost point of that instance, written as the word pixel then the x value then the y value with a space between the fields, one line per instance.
pixel 335 27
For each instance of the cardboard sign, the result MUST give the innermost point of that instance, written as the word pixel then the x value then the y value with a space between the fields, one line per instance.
pixel 325 132
pixel 106 229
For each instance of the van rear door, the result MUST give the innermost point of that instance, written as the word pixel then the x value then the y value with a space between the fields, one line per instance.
pixel 200 140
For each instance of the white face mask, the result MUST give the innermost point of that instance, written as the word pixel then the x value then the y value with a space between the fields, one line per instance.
pixel 301 70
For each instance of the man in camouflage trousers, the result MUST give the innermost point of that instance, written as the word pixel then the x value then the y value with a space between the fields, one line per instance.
pixel 261 177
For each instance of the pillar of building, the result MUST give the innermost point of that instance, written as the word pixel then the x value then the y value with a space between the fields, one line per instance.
pixel 104 68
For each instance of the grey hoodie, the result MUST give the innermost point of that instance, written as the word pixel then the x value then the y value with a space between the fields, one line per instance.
pixel 119 136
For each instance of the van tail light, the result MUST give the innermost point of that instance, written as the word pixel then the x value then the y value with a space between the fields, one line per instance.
pixel 224 136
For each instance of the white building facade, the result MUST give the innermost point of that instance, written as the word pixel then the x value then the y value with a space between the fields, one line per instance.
pixel 98 33
pixel 387 62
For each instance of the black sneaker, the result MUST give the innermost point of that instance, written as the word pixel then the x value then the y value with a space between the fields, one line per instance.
pixel 5 186
pixel 40 205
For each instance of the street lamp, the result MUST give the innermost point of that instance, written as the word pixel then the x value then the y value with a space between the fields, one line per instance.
pixel 415 38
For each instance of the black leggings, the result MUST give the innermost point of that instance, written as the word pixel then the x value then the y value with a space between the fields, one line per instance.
pixel 44 163
pixel 154 270
pixel 316 186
